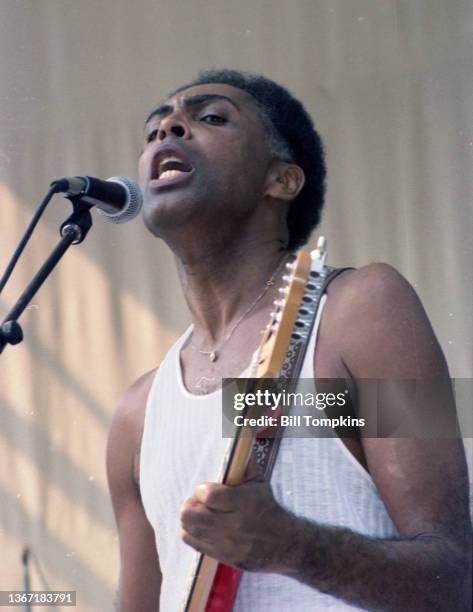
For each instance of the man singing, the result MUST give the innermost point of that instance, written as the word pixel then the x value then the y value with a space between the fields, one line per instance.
pixel 233 174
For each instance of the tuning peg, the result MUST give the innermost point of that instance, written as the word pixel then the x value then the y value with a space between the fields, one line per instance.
pixel 299 335
pixel 313 287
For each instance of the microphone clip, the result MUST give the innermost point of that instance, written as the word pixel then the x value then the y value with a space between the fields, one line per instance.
pixel 80 222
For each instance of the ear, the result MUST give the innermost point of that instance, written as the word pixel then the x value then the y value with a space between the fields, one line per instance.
pixel 285 181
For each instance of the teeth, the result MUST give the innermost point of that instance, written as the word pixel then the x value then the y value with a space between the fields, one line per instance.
pixel 169 174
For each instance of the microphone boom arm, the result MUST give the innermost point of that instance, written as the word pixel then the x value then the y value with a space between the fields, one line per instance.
pixel 73 231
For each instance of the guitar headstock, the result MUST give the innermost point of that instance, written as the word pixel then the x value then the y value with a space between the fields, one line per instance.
pixel 292 310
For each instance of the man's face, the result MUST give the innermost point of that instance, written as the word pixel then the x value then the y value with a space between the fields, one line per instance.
pixel 205 158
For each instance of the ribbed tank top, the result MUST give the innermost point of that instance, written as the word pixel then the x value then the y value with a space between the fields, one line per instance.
pixel 317 478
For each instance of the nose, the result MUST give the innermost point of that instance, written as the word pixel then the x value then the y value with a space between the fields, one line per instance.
pixel 173 125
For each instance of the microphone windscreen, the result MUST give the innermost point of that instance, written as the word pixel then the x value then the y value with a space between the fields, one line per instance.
pixel 132 205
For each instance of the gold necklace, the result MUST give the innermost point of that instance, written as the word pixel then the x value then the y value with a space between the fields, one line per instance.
pixel 214 354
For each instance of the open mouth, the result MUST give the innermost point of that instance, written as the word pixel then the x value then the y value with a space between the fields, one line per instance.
pixel 168 165
pixel 171 167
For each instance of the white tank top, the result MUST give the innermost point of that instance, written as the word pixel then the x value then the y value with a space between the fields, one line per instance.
pixel 317 478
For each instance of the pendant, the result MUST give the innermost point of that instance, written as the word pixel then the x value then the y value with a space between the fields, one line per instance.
pixel 213 356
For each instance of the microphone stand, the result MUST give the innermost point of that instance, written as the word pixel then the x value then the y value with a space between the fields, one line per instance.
pixel 73 231
pixel 25 557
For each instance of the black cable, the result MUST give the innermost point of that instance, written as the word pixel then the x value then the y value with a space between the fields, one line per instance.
pixel 23 242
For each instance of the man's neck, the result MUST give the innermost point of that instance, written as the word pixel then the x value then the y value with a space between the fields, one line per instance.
pixel 224 285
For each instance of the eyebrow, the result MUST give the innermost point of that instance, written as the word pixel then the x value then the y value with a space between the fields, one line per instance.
pixel 188 101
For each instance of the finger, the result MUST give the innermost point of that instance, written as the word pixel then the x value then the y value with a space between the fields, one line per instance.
pixel 190 504
pixel 210 549
pixel 217 497
pixel 197 543
pixel 197 515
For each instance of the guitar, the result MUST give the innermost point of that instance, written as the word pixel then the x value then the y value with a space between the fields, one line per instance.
pixel 213 585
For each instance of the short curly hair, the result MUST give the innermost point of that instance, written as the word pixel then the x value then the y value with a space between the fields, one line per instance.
pixel 292 137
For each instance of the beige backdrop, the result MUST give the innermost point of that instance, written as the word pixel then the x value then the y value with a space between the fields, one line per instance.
pixel 390 85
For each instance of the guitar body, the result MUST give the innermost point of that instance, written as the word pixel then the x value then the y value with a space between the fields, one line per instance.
pixel 213 585
pixel 224 589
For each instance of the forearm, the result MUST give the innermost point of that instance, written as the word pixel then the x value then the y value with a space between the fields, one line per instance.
pixel 245 527
pixel 424 573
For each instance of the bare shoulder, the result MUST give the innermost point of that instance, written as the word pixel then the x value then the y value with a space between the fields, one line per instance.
pixel 125 433
pixel 372 286
pixel 131 408
pixel 380 326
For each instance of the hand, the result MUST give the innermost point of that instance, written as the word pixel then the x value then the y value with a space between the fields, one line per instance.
pixel 240 525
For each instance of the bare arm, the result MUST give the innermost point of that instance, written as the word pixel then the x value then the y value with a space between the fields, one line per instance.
pixel 423 483
pixel 140 576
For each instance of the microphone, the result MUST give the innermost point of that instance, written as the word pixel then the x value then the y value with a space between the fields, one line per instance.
pixel 118 199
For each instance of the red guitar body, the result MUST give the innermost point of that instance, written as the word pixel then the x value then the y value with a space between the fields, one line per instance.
pixel 224 589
